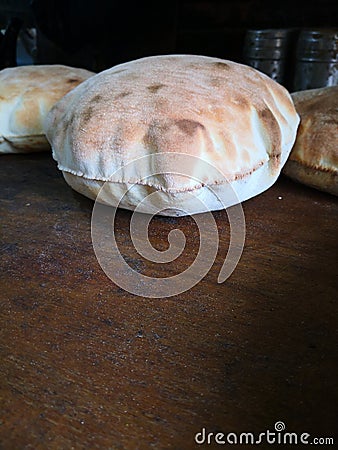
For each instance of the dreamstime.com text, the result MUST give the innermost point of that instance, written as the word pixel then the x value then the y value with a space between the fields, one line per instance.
pixel 278 436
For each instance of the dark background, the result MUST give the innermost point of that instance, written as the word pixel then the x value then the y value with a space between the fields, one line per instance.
pixel 97 35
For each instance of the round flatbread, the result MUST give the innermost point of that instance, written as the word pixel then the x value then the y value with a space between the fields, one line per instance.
pixel 27 93
pixel 314 158
pixel 229 115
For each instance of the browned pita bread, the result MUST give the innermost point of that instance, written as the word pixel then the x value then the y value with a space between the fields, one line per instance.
pixel 314 158
pixel 27 93
pixel 229 115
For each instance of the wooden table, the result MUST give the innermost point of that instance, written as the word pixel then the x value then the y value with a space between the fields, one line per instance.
pixel 85 365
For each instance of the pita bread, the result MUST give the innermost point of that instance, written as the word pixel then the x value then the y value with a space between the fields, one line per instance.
pixel 27 93
pixel 229 115
pixel 314 158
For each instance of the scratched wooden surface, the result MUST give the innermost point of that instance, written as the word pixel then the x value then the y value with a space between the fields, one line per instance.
pixel 84 364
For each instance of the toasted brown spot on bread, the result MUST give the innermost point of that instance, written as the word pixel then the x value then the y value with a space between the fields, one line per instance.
pixel 96 98
pixel 221 65
pixel 151 138
pixel 240 100
pixel 155 87
pixel 189 126
pixel 122 95
pixel 194 66
pixel 73 80
pixel 215 82
pixel 87 115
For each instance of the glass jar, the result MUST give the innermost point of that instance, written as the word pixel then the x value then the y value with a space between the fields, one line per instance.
pixel 316 59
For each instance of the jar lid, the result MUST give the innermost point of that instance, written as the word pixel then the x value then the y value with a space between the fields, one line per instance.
pixel 267 43
pixel 319 44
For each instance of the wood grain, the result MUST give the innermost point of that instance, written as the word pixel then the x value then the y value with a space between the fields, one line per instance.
pixel 84 364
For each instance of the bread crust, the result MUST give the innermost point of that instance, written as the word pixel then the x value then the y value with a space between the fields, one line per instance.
pixel 314 157
pixel 27 93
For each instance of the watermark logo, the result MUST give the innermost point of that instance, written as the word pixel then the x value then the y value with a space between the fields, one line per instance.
pixel 271 437
pixel 169 166
pixel 279 426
